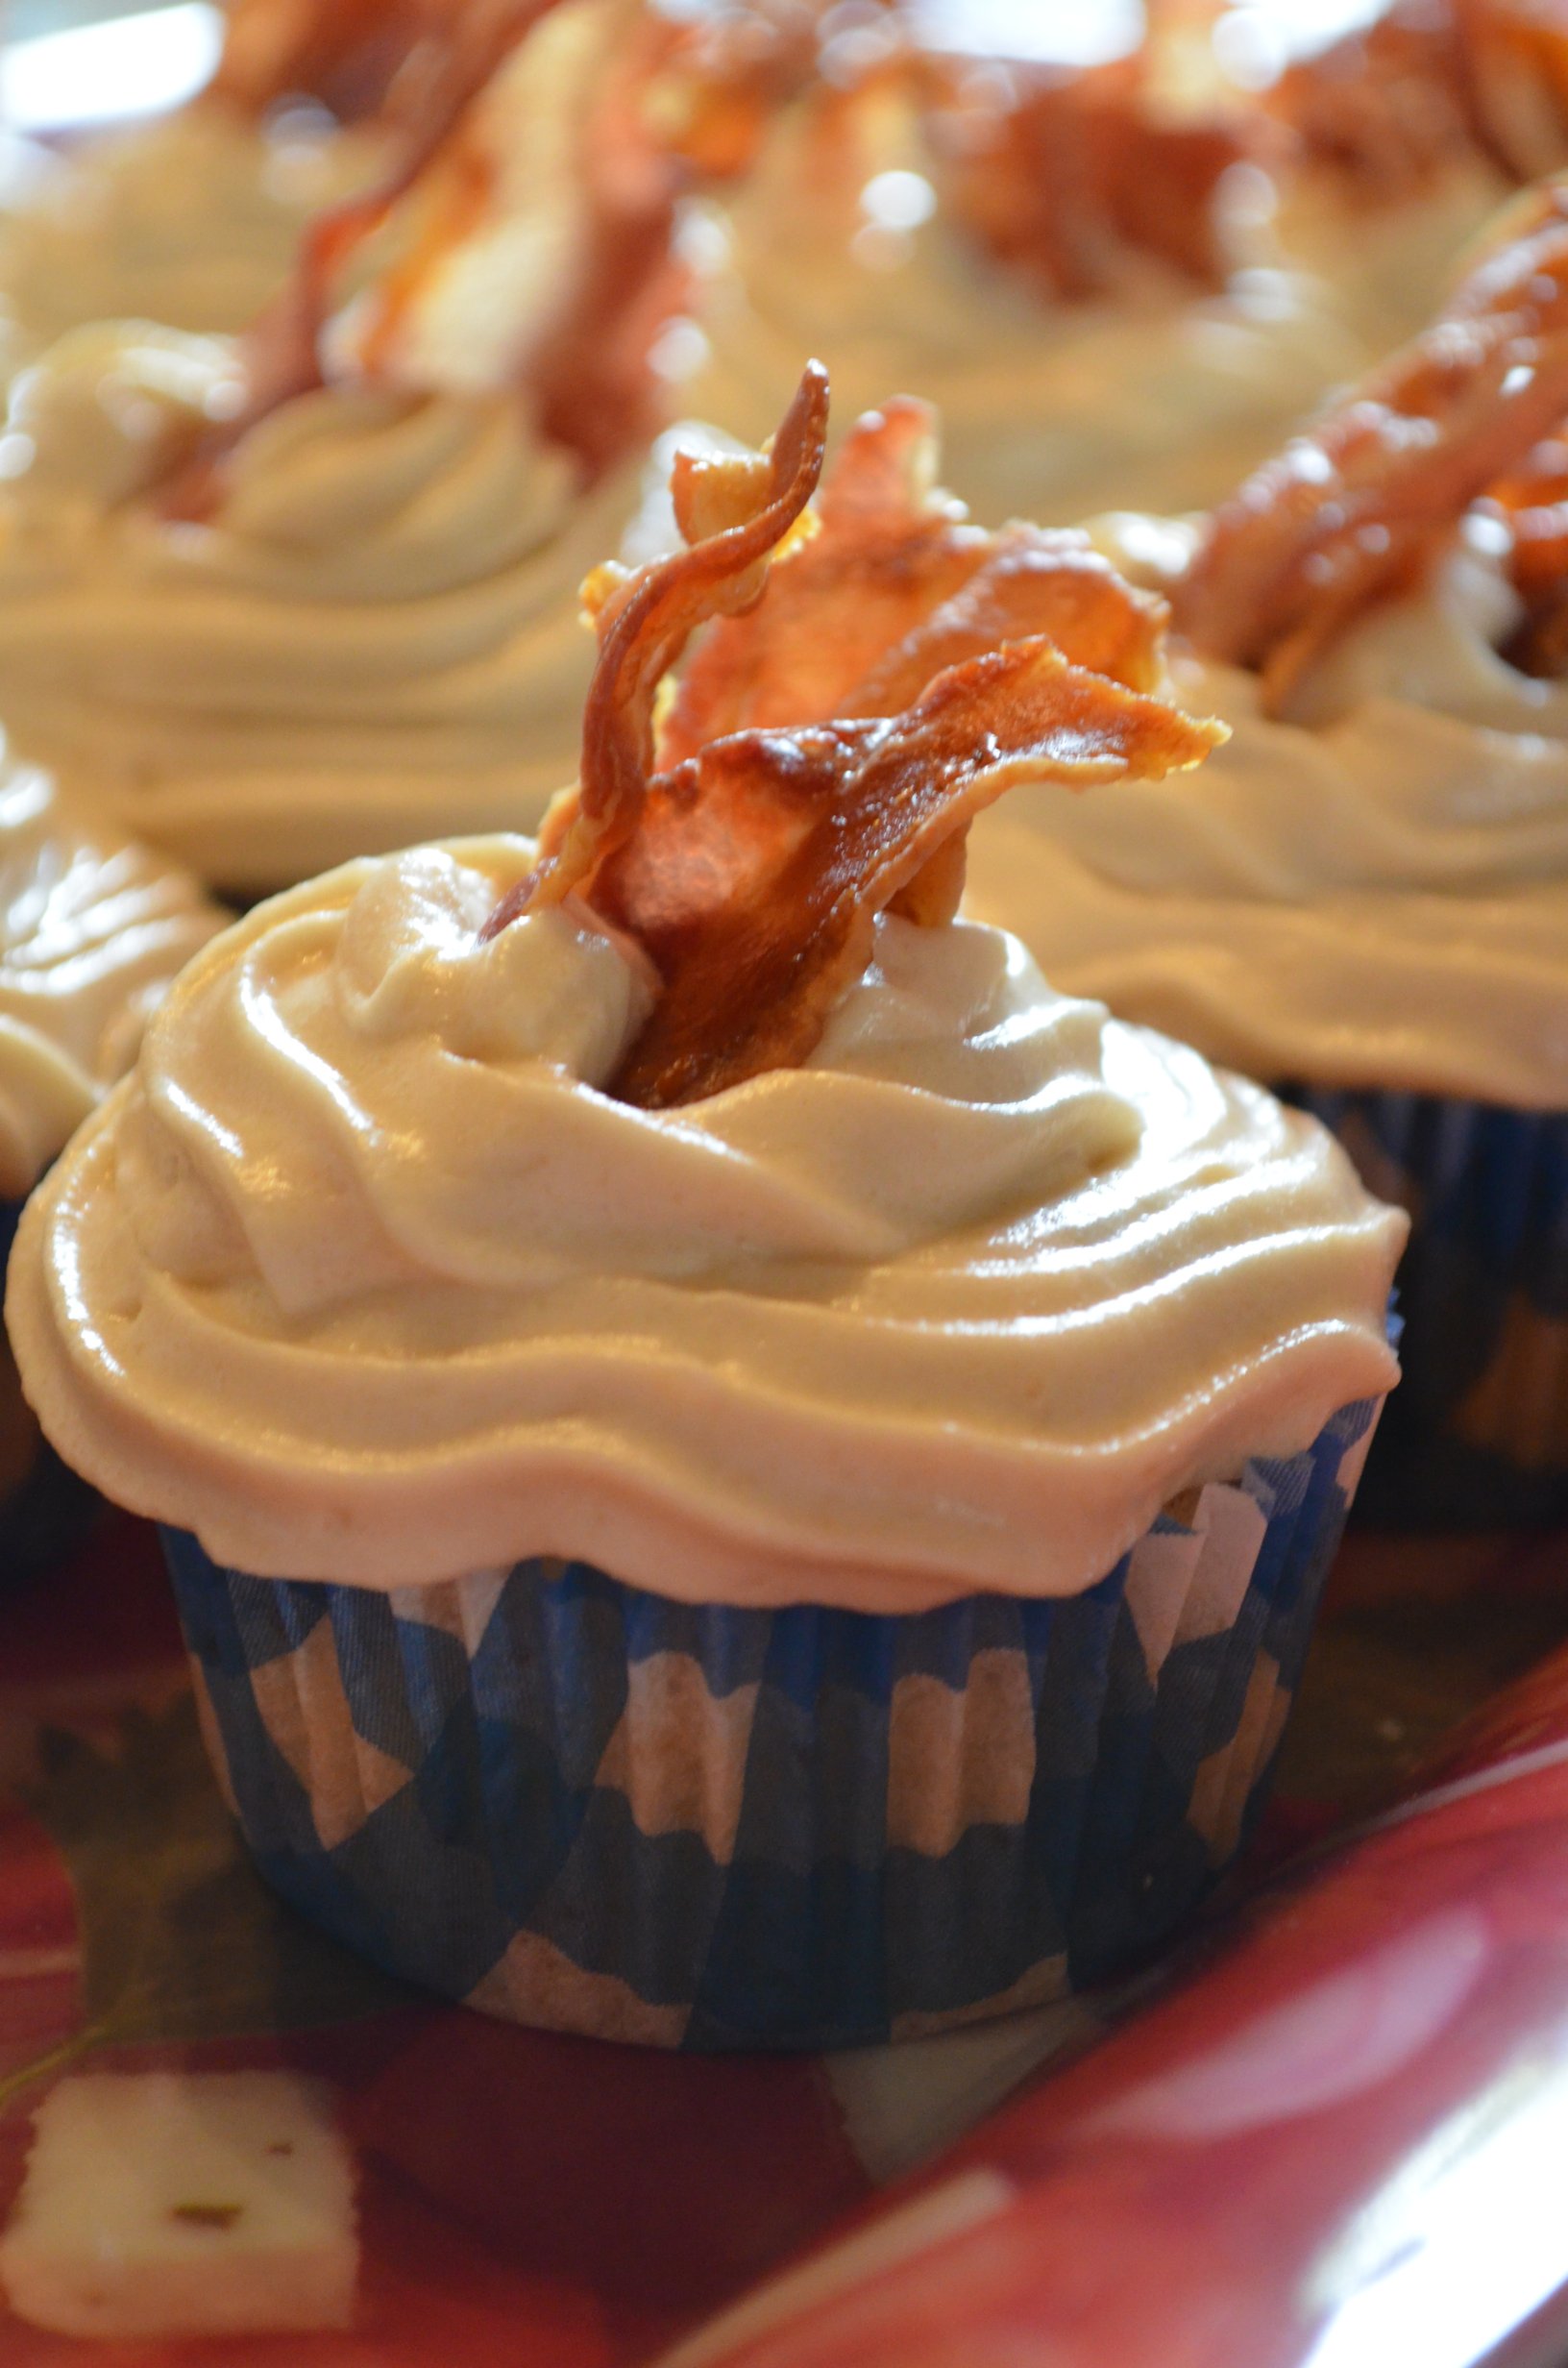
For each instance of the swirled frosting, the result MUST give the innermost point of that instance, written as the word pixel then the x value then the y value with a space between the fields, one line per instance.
pixel 375 638
pixel 193 222
pixel 362 1277
pixel 1157 399
pixel 92 928
pixel 1376 893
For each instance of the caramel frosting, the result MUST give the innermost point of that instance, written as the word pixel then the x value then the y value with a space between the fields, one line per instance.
pixel 92 928
pixel 362 1276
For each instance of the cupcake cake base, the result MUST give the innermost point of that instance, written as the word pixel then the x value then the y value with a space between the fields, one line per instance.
pixel 580 1805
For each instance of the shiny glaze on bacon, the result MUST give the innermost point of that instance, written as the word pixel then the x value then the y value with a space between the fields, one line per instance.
pixel 749 849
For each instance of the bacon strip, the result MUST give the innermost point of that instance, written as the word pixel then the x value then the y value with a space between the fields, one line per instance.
pixel 736 513
pixel 896 586
pixel 757 869
pixel 1356 508
pixel 1066 170
pixel 751 869
pixel 1395 103
pixel 345 53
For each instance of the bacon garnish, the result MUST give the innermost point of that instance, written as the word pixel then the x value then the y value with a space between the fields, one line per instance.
pixel 894 586
pixel 733 512
pixel 1060 172
pixel 1394 104
pixel 751 868
pixel 757 869
pixel 1356 509
pixel 347 54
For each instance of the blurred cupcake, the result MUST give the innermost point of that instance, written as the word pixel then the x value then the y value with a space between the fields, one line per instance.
pixel 1402 136
pixel 1365 899
pixel 294 600
pixel 1061 254
pixel 739 1472
pixel 193 220
pixel 92 928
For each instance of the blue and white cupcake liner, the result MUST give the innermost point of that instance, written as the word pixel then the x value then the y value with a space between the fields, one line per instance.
pixel 46 1509
pixel 1477 1433
pixel 576 1804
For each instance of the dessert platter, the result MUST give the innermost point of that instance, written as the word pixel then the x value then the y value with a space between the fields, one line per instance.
pixel 784 1142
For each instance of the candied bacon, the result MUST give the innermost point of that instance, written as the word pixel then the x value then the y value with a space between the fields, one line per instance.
pixel 737 512
pixel 895 585
pixel 1060 172
pixel 1394 103
pixel 756 870
pixel 1358 506
pixel 751 870
pixel 347 54
pixel 1533 504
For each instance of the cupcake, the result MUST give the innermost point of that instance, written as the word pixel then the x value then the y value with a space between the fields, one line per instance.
pixel 737 1469
pixel 278 602
pixel 193 220
pixel 1365 899
pixel 1059 255
pixel 92 928
pixel 1404 135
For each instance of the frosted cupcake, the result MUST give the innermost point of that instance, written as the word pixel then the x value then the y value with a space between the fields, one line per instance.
pixel 1059 256
pixel 1405 134
pixel 193 220
pixel 788 1465
pixel 92 931
pixel 284 602
pixel 1365 897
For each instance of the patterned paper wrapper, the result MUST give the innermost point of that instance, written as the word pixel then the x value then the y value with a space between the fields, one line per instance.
pixel 1476 1434
pixel 578 1805
pixel 45 1511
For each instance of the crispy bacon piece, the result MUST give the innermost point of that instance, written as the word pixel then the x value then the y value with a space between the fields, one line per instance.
pixel 1533 504
pixel 1353 511
pixel 894 586
pixel 734 513
pixel 756 870
pixel 1394 104
pixel 751 868
pixel 346 53
pixel 1060 172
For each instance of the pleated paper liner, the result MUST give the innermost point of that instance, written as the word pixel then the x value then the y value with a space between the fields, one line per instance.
pixel 45 1511
pixel 580 1805
pixel 1476 1434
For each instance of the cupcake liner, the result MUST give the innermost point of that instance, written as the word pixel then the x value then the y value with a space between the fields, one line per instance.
pixel 45 1511
pixel 1476 1434
pixel 577 1804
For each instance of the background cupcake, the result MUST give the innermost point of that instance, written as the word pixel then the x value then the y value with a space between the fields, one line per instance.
pixel 964 1390
pixel 91 931
pixel 284 602
pixel 193 220
pixel 1058 253
pixel 1365 899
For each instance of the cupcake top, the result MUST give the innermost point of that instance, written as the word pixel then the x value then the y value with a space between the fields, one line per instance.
pixel 318 605
pixel 1401 135
pixel 690 1190
pixel 92 928
pixel 193 220
pixel 1058 252
pixel 1369 885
